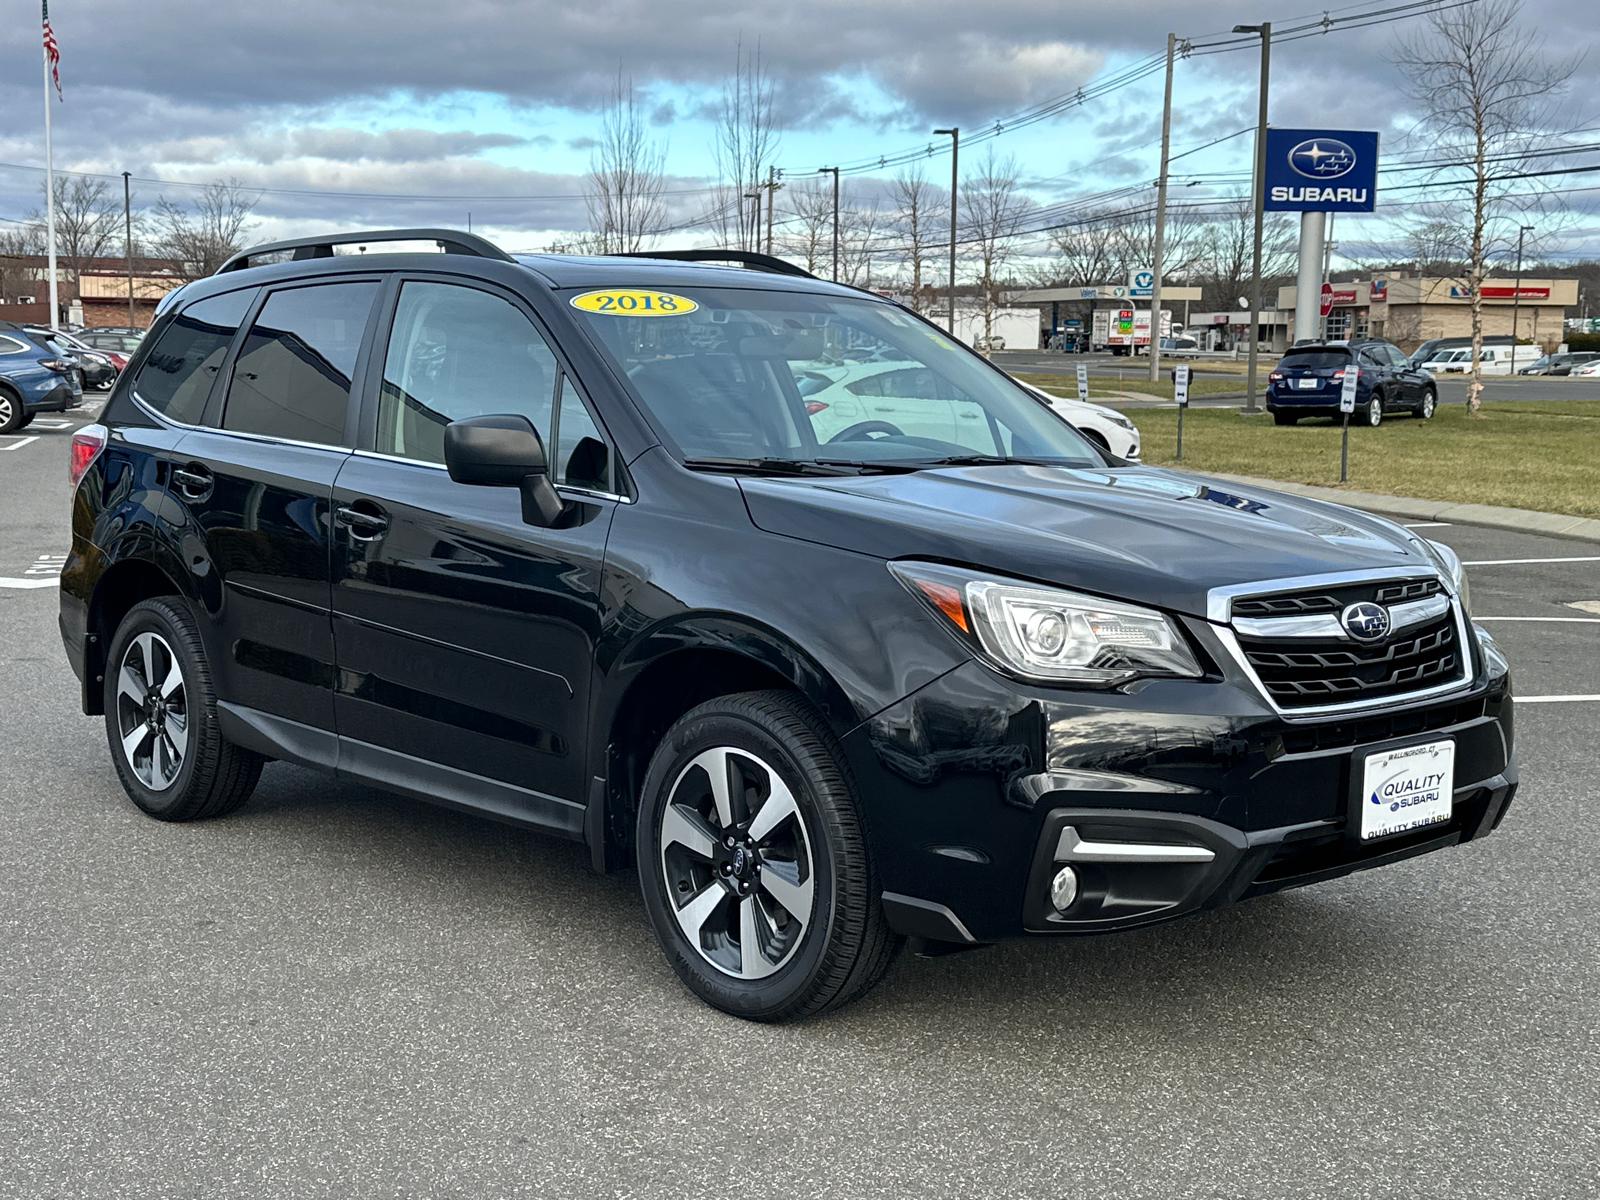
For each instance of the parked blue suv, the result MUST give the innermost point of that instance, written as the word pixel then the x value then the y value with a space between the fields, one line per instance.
pixel 1308 379
pixel 34 378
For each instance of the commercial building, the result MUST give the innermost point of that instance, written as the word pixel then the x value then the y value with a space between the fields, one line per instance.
pixel 1409 309
pixel 95 293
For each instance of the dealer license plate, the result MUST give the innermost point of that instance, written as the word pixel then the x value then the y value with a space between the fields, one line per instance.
pixel 1407 789
pixel 1308 384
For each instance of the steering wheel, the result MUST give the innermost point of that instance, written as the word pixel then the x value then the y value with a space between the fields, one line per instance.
pixel 859 431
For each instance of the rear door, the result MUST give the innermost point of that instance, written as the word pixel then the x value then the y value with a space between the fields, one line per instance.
pixel 466 638
pixel 256 488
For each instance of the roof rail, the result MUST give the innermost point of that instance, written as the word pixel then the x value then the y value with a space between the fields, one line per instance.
pixel 452 241
pixel 745 258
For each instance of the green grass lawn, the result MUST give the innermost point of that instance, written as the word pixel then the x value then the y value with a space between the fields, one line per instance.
pixel 1107 386
pixel 1521 454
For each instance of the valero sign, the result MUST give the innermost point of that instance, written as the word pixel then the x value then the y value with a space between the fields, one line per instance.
pixel 1321 170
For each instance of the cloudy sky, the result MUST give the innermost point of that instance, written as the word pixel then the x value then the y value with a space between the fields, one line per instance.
pixel 357 114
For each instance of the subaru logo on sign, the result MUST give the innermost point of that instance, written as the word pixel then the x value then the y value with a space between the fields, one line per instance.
pixel 1366 622
pixel 1322 158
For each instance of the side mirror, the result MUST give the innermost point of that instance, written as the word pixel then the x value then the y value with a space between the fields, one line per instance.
pixel 504 450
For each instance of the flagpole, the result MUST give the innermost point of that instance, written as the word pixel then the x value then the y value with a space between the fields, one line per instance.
pixel 50 193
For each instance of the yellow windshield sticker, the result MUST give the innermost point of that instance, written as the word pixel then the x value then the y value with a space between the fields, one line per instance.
pixel 634 302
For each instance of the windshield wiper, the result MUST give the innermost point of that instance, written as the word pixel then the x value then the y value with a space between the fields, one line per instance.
pixel 985 460
pixel 765 466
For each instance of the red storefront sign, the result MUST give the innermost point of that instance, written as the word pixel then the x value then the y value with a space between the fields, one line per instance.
pixel 1493 291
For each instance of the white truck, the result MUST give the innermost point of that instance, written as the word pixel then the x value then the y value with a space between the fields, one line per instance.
pixel 1126 330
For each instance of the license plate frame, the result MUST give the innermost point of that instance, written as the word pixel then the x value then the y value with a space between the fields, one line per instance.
pixel 1402 773
pixel 1306 385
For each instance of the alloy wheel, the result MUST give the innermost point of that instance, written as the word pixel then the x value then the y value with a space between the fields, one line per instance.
pixel 7 412
pixel 152 711
pixel 1375 411
pixel 1428 403
pixel 737 862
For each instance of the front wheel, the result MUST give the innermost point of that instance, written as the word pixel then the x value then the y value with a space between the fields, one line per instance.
pixel 1429 403
pixel 1375 410
pixel 754 864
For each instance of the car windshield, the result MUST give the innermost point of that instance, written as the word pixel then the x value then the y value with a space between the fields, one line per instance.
pixel 758 377
pixel 1315 360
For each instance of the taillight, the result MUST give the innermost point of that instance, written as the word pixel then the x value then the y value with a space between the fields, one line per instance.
pixel 55 364
pixel 1276 375
pixel 1339 374
pixel 813 407
pixel 86 446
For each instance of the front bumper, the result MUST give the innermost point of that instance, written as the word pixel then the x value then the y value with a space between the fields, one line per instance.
pixel 969 782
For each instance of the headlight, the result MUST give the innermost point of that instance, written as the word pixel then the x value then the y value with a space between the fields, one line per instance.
pixel 1050 634
pixel 1121 420
pixel 1449 563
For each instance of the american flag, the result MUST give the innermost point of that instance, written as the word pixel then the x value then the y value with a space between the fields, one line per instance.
pixel 50 50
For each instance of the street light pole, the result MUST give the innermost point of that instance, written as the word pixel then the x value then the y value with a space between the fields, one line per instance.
pixel 1161 218
pixel 954 134
pixel 1265 30
pixel 834 171
pixel 1516 296
pixel 127 237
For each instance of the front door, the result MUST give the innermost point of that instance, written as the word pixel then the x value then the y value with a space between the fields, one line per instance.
pixel 257 492
pixel 465 638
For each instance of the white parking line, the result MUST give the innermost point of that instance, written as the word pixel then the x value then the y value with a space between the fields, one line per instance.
pixel 18 445
pixel 1517 562
pixel 29 583
pixel 1553 699
pixel 1566 620
pixel 1428 525
pixel 52 424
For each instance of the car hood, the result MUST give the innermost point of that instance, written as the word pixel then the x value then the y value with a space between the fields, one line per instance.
pixel 1136 533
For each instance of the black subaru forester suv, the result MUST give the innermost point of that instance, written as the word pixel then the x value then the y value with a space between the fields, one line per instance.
pixel 895 655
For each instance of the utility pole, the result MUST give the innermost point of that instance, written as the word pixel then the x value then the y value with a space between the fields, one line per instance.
pixel 834 171
pixel 954 134
pixel 1161 217
pixel 1265 30
pixel 1516 296
pixel 50 195
pixel 127 237
pixel 1327 275
pixel 754 240
pixel 772 190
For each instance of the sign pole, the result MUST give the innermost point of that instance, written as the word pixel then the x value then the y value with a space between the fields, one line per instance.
pixel 1347 405
pixel 1180 393
pixel 1159 266
pixel 50 196
pixel 1308 281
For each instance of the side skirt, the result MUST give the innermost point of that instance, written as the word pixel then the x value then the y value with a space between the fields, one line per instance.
pixel 292 741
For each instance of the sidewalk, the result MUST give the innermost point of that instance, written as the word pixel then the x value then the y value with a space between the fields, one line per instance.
pixel 1522 520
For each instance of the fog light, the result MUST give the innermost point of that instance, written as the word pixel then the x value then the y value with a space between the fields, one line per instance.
pixel 1064 889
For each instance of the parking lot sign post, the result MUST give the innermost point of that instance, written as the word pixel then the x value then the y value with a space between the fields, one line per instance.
pixel 1083 382
pixel 1180 393
pixel 1347 405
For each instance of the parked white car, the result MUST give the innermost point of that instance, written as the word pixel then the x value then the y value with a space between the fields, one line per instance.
pixel 1589 368
pixel 1106 427
pixel 1448 361
pixel 1495 360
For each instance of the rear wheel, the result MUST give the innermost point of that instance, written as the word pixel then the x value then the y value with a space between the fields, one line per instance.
pixel 754 864
pixel 161 719
pixel 1375 410
pixel 1283 418
pixel 1429 402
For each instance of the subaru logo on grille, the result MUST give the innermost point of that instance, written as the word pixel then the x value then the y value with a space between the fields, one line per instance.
pixel 1366 622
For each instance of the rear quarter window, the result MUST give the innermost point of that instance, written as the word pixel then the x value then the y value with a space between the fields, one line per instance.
pixel 175 379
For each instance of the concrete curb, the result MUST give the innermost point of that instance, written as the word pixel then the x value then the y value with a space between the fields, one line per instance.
pixel 1522 520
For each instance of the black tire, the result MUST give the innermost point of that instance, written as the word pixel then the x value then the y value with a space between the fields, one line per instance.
pixel 207 775
pixel 1430 401
pixel 1374 410
pixel 26 421
pixel 843 945
pixel 11 414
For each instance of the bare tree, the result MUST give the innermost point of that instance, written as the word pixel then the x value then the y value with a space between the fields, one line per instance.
pixel 991 216
pixel 746 144
pixel 88 222
pixel 921 216
pixel 861 234
pixel 1086 251
pixel 807 229
pixel 626 178
pixel 1134 241
pixel 1221 258
pixel 1485 89
pixel 201 239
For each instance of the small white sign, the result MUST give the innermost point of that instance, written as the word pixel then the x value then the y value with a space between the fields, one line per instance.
pixel 1083 382
pixel 1180 385
pixel 1407 789
pixel 1347 394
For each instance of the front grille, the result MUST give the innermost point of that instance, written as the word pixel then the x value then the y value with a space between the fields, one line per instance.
pixel 1332 600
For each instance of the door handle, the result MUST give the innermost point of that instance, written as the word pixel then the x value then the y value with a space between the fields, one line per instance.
pixel 364 520
pixel 193 480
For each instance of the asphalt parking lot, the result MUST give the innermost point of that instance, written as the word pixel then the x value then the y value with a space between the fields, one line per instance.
pixel 340 993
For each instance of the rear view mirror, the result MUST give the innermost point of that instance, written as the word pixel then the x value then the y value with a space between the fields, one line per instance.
pixel 504 450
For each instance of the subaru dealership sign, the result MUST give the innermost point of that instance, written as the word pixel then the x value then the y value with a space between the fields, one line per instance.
pixel 1321 170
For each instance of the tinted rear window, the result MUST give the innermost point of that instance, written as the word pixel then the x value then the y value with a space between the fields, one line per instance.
pixel 176 378
pixel 1316 360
